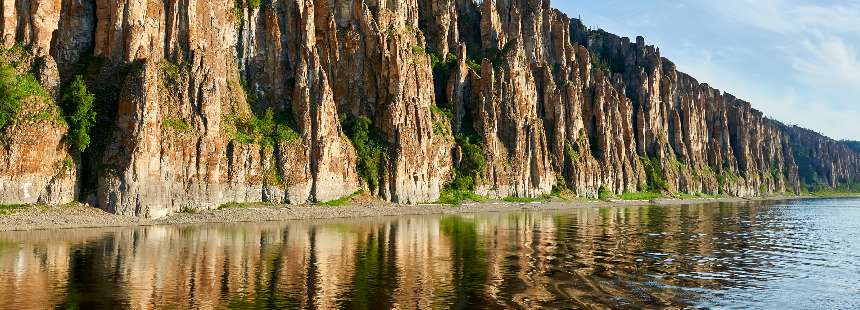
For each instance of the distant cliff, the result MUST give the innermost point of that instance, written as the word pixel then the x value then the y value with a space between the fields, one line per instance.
pixel 198 103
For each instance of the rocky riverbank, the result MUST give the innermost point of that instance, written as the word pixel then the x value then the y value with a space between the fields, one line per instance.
pixel 76 215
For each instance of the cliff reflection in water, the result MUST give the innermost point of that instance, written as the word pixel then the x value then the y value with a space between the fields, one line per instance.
pixel 621 257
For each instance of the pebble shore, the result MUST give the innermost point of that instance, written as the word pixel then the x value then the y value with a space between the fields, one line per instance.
pixel 83 216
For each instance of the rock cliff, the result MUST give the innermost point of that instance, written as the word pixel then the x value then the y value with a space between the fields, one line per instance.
pixel 200 103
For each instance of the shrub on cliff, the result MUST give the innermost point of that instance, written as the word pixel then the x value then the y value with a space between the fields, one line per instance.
pixel 14 88
pixel 473 161
pixel 267 129
pixel 654 175
pixel 370 148
pixel 77 101
pixel 603 193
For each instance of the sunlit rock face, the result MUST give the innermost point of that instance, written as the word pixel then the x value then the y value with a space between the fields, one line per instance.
pixel 552 104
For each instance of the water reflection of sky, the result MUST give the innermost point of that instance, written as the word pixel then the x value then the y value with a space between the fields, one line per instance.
pixel 798 254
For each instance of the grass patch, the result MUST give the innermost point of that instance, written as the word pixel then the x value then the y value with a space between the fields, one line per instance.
pixel 454 197
pixel 849 189
pixel 175 124
pixel 6 209
pixel 235 205
pixel 342 201
pixel 527 199
pixel 640 196
pixel 695 196
pixel 472 164
pixel 265 130
pixel 418 50
pixel 14 89
pixel 190 210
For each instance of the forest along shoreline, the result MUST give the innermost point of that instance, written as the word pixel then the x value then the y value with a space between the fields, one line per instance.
pixel 77 215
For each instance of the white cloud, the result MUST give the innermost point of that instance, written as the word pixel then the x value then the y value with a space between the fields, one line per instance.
pixel 818 45
pixel 790 17
pixel 836 18
pixel 828 63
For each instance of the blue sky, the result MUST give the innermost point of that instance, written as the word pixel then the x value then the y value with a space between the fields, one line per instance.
pixel 798 61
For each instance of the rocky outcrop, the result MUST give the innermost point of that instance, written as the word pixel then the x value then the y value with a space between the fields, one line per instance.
pixel 207 102
pixel 36 165
pixel 821 161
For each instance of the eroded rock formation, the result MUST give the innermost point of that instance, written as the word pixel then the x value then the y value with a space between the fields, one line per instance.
pixel 207 102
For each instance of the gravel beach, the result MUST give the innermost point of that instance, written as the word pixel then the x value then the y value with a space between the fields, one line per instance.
pixel 82 216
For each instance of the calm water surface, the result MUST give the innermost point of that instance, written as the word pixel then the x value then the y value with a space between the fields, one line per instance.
pixel 786 255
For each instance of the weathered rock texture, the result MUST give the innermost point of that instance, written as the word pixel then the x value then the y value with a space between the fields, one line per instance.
pixel 35 163
pixel 554 105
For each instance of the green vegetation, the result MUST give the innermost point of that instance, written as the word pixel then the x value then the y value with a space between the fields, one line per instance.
pixel 265 130
pixel 251 4
pixel 250 95
pixel 497 56
pixel 235 205
pixel 450 196
pixel 654 175
pixel 474 65
pixel 442 67
pixel 472 164
pixel 441 120
pixel 600 63
pixel 176 124
pixel 190 210
pixel 6 209
pixel 725 178
pixel 371 149
pixel 418 50
pixel 172 72
pixel 273 175
pixel 823 190
pixel 603 193
pixel 14 89
pixel 610 61
pixel 442 64
pixel 78 102
pixel 473 161
pixel 468 260
pixel 640 196
pixel 239 9
pixel 571 153
pixel 527 199
pixel 475 57
pixel 696 195
pixel 343 200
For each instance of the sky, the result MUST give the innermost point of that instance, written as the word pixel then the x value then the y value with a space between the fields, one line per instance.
pixel 798 61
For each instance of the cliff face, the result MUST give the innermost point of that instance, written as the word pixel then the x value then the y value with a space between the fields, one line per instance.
pixel 206 102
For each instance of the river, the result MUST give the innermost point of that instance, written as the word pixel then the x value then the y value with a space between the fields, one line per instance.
pixel 800 254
